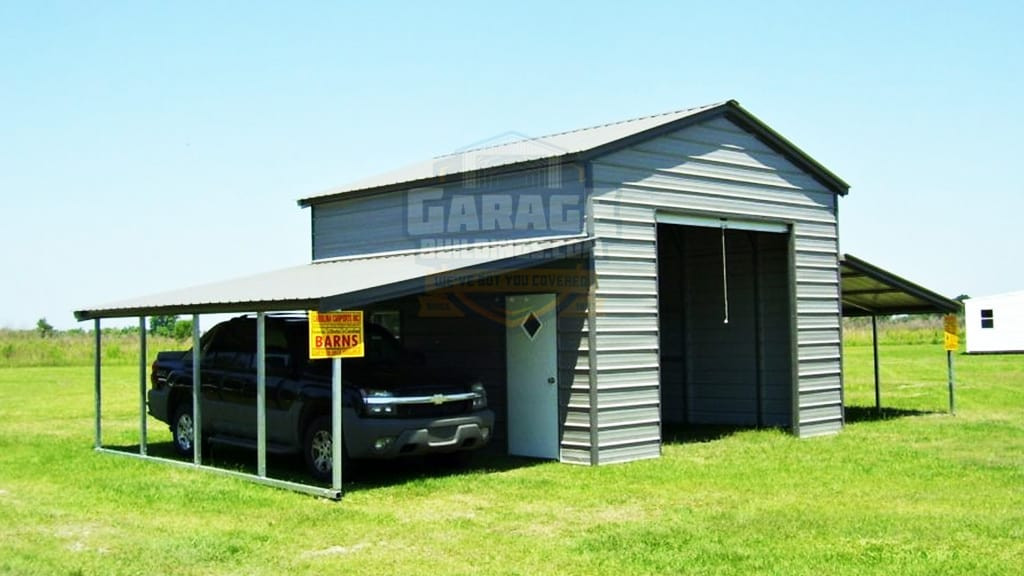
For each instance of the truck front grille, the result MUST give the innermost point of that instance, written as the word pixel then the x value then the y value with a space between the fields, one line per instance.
pixel 434 410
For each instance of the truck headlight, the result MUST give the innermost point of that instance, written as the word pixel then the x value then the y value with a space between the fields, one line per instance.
pixel 378 402
pixel 480 402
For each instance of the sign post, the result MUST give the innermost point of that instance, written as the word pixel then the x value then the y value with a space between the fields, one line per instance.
pixel 336 335
pixel 952 344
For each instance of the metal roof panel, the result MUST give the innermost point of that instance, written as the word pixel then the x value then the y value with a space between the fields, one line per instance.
pixel 524 152
pixel 869 290
pixel 335 283
pixel 520 151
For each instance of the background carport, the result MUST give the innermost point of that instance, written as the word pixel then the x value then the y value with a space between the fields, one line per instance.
pixel 325 285
pixel 868 290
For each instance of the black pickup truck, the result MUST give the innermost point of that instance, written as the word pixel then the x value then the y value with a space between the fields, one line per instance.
pixel 393 402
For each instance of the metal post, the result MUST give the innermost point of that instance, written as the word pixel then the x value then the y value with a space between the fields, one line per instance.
pixel 197 411
pixel 336 424
pixel 878 385
pixel 98 386
pixel 261 394
pixel 952 382
pixel 142 387
pixel 758 330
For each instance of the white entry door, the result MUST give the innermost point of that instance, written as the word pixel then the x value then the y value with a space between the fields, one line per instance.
pixel 532 358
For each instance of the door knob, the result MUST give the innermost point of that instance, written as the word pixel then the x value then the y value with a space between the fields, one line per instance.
pixel 551 380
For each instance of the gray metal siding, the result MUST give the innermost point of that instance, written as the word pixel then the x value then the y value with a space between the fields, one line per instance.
pixel 574 388
pixel 625 265
pixel 527 204
pixel 714 169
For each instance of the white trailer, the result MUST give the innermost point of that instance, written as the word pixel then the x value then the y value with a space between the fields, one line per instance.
pixel 995 324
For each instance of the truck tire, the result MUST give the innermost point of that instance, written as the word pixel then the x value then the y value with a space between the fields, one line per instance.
pixel 317 449
pixel 183 430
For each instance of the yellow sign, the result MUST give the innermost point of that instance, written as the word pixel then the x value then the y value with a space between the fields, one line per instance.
pixel 951 338
pixel 337 334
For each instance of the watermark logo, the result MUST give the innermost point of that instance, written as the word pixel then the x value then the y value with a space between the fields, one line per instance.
pixel 477 209
pixel 472 161
pixel 474 203
pixel 482 292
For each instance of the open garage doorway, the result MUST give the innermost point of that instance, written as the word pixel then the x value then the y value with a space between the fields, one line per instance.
pixel 725 323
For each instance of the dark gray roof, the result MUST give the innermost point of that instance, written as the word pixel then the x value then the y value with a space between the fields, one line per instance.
pixel 871 291
pixel 570 146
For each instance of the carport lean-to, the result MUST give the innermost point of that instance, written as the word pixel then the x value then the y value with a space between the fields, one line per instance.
pixel 349 282
pixel 871 291
pixel 693 256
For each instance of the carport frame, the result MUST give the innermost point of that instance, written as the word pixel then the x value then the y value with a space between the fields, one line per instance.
pixel 333 493
pixel 318 286
pixel 890 294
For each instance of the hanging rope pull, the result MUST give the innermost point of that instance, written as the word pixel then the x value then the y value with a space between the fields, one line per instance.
pixel 725 278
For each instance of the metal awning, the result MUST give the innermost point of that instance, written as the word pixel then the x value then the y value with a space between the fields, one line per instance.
pixel 868 290
pixel 318 286
pixel 871 291
pixel 340 283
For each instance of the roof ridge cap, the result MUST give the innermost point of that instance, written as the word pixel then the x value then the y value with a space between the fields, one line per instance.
pixel 584 129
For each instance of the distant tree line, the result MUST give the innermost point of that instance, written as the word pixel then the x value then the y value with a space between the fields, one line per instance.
pixel 167 326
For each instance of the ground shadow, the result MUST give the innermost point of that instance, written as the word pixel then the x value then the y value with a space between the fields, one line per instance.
pixel 698 433
pixel 360 474
pixel 856 414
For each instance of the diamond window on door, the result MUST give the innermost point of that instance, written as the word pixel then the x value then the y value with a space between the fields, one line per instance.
pixel 531 325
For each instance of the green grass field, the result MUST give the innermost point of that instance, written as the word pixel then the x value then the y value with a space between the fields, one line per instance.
pixel 916 492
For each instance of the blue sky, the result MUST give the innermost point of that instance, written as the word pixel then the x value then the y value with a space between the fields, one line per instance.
pixel 147 146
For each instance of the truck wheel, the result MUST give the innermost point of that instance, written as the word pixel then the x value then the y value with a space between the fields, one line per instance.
pixel 318 449
pixel 183 430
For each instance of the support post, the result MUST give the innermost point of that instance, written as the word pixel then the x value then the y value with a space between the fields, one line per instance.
pixel 261 394
pixel 878 384
pixel 336 439
pixel 952 382
pixel 758 329
pixel 98 385
pixel 197 410
pixel 143 440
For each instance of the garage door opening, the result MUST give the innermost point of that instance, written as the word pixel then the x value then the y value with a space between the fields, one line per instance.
pixel 726 334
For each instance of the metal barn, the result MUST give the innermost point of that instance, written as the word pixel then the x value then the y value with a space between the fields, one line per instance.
pixel 995 324
pixel 710 243
pixel 606 283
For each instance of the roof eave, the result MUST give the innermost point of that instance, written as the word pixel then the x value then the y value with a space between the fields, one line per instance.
pixel 782 145
pixel 934 302
pixel 440 179
pixel 203 308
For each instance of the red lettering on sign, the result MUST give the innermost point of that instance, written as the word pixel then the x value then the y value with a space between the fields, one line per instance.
pixel 336 341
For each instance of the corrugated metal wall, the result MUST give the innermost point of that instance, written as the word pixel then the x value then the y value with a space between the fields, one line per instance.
pixel 714 169
pixel 517 205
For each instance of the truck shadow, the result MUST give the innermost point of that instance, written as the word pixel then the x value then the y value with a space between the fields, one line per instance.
pixel 360 475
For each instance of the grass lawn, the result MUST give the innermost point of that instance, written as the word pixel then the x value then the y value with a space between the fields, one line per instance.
pixel 916 492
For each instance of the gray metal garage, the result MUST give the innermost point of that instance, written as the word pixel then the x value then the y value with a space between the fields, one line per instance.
pixel 679 268
pixel 739 225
